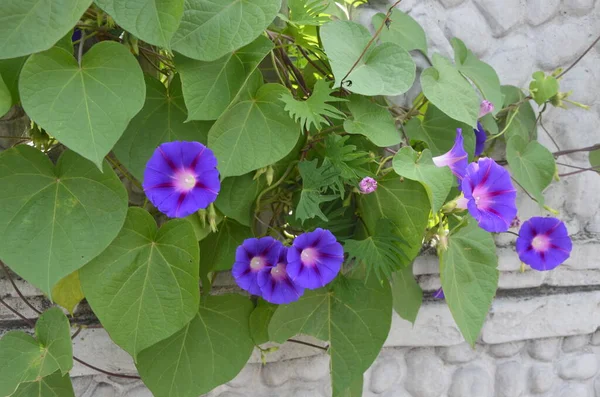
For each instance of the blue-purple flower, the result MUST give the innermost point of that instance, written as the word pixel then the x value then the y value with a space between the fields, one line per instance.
pixel 367 185
pixel 456 158
pixel 439 294
pixel 314 259
pixel 543 243
pixel 480 138
pixel 490 195
pixel 485 107
pixel 181 178
pixel 252 257
pixel 275 284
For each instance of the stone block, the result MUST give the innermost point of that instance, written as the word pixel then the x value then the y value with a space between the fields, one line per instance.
pixel 544 349
pixel 557 45
pixel 510 381
pixel 384 374
pixel 457 354
pixel 573 390
pixel 471 382
pixel 540 11
pixel 501 16
pixel 580 367
pixel 541 378
pixel 426 375
pixel 516 49
pixel 504 350
pixel 578 7
pixel 467 23
pixel 575 342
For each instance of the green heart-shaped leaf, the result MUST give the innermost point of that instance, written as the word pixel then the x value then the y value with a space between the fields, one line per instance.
pixel 144 286
pixel 402 30
pixel 30 26
pixel 54 385
pixel 237 196
pixel 407 294
pixel 56 219
pixel 87 108
pixel 209 351
pixel 373 121
pixel 162 119
pixel 210 29
pixel 543 87
pixel 386 69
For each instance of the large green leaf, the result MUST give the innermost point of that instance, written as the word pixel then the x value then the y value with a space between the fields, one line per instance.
pixel 154 21
pixel 10 69
pixel 532 165
pixel 55 385
pixel 355 318
pixel 209 351
pixel 210 29
pixel 67 292
pixel 56 219
pixel 253 133
pixel 30 26
pixel 373 121
pixel 386 69
pixel 468 269
pixel 259 321
pixel 449 91
pixel 524 122
pixel 407 294
pixel 354 390
pixel 5 98
pixel 162 119
pixel 405 203
pixel 420 167
pixel 402 30
pixel 237 196
pixel 144 286
pixel 209 87
pixel 438 131
pixel 480 73
pixel 218 249
pixel 86 107
pixel 23 359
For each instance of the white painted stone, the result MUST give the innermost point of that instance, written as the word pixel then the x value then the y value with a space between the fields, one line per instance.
pixel 451 3
pixel 574 390
pixel 540 11
pixel 597 387
pixel 245 377
pixel 504 350
pixel 431 16
pixel 81 384
pixel 515 49
pixel 384 374
pixel 596 338
pixel 274 374
pixel 105 390
pixel 558 45
pixel 584 75
pixel 467 23
pixel 544 349
pixel 457 354
pixel 501 16
pixel 579 367
pixel 541 378
pixel 303 392
pixel 578 7
pixel 426 375
pixel 575 342
pixel 510 380
pixel 139 392
pixel 470 382
pixel 231 394
pixel 95 346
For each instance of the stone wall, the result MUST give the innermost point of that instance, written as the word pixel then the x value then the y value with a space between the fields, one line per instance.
pixel 541 337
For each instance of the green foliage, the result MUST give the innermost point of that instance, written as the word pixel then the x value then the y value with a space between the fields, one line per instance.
pixel 342 316
pixel 347 159
pixel 5 98
pixel 468 269
pixel 594 158
pixel 373 121
pixel 10 69
pixel 524 121
pixel 407 294
pixel 68 293
pixel 381 253
pixel 259 321
pixel 218 249
pixel 532 165
pixel 315 110
pixel 402 30
pixel 54 385
pixel 238 195
pixel 315 181
pixel 308 12
pixel 543 87
pixel 386 69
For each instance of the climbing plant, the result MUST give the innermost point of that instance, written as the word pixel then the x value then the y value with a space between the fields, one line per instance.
pixel 286 148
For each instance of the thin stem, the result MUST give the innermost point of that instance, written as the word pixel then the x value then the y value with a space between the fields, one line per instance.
pixel 158 68
pixel 307 57
pixel 525 190
pixel 308 344
pixel 126 174
pixel 510 232
pixel 16 312
pixel 548 132
pixel 510 120
pixel 579 59
pixel 17 290
pixel 580 171
pixel 80 50
pixel 569 151
pixel 274 185
pixel 571 166
pixel 104 371
pixel 79 328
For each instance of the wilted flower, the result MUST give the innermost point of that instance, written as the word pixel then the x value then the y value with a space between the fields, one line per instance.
pixel 439 294
pixel 253 256
pixel 485 108
pixel 456 158
pixel 314 259
pixel 367 185
pixel 516 222
pixel 543 243
pixel 480 138
pixel 490 194
pixel 181 177
pixel 275 284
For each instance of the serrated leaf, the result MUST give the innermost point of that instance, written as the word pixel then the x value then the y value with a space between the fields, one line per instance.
pixel 67 292
pixel 86 107
pixel 373 121
pixel 449 91
pixel 405 203
pixel 210 87
pixel 524 122
pixel 407 294
pixel 230 24
pixel 54 385
pixel 24 359
pixel 308 12
pixel 402 30
pixel 144 286
pixel 468 269
pixel 532 165
pixel 543 87
pixel 162 119
pixel 355 318
pixel 480 73
pixel 381 252
pixel 237 197
pixel 420 167
pixel 10 69
pixel 259 321
pixel 217 250
pixel 254 133
pixel 315 181
pixel 30 26
pixel 315 109
pixel 5 98
pixel 73 210
pixel 209 351
pixel 386 69
pixel 154 21
pixel 346 159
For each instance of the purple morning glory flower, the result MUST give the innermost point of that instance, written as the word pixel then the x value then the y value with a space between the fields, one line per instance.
pixel 439 294
pixel 480 138
pixel 485 107
pixel 367 185
pixel 275 284
pixel 543 243
pixel 314 259
pixel 181 178
pixel 456 158
pixel 490 194
pixel 252 257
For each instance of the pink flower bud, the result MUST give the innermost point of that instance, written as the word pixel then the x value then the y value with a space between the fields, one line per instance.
pixel 485 108
pixel 367 185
